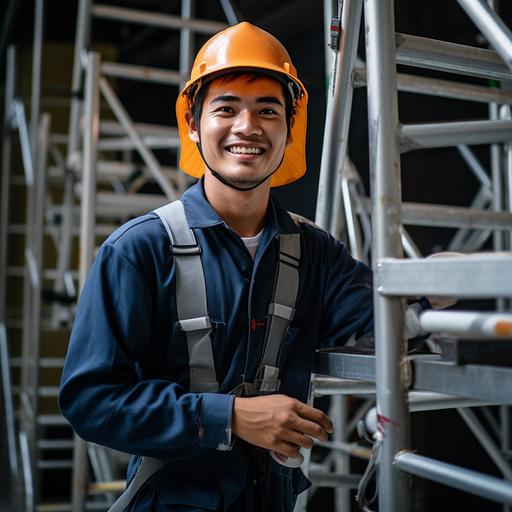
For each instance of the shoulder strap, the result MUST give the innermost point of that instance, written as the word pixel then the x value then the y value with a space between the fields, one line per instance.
pixel 191 297
pixel 146 469
pixel 280 312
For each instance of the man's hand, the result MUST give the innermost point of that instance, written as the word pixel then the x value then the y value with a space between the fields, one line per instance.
pixel 279 423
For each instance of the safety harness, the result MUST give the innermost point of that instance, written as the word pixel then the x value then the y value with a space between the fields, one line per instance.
pixel 194 320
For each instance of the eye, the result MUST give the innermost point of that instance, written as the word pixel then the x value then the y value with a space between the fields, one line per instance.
pixel 224 109
pixel 269 111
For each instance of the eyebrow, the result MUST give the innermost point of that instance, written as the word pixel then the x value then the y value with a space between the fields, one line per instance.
pixel 262 99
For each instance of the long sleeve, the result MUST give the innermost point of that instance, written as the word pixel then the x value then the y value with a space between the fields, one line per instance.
pixel 106 393
pixel 348 298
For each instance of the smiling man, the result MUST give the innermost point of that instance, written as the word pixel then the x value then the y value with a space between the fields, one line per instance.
pixel 195 334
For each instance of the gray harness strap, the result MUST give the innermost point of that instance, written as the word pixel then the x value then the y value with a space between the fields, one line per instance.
pixel 191 297
pixel 147 467
pixel 194 320
pixel 280 314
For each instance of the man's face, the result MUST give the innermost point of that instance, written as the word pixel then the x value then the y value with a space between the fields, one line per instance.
pixel 243 129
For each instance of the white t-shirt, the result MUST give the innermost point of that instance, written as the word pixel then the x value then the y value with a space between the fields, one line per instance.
pixel 252 242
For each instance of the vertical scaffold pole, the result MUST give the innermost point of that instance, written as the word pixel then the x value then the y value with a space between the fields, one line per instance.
pixel 65 246
pixel 339 105
pixel 36 75
pixel 390 345
pixel 87 239
pixel 4 222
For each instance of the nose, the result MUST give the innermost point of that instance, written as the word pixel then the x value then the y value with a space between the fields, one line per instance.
pixel 246 123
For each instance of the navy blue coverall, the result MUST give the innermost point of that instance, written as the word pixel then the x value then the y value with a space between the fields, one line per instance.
pixel 126 375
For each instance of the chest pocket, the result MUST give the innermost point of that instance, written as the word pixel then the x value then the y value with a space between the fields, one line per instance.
pixel 176 365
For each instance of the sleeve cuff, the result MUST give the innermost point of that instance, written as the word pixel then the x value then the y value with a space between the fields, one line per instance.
pixel 214 423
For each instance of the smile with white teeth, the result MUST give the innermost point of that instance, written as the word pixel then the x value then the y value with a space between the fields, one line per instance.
pixel 245 150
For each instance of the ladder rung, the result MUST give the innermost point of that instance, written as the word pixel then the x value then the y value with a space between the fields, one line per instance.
pixel 55 444
pixel 114 128
pixel 103 487
pixel 444 276
pixel 46 391
pixel 144 73
pixel 54 464
pixel 439 135
pixel 50 420
pixel 451 57
pixel 447 216
pixel 44 362
pixel 66 507
pixel 156 19
pixel 151 141
pixel 111 204
pixel 443 88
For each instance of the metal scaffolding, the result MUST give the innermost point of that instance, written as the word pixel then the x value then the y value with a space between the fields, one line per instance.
pixel 379 225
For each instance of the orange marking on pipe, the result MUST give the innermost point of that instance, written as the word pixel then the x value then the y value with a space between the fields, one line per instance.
pixel 503 328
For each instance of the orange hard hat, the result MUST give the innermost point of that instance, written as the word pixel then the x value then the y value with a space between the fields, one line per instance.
pixel 248 48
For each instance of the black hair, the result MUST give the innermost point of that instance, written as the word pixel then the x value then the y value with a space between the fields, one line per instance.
pixel 250 76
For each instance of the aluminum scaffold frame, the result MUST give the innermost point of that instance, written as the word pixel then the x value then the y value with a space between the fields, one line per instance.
pixel 340 190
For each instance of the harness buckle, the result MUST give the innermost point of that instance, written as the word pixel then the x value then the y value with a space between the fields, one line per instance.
pixel 186 250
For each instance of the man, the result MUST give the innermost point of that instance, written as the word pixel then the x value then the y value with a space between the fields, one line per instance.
pixel 134 379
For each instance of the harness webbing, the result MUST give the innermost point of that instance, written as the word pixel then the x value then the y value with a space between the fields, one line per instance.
pixel 191 297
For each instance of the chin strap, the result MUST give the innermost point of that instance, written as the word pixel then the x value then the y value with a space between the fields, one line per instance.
pixel 224 181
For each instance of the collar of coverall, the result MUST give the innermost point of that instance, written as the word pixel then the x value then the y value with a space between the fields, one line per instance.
pixel 200 213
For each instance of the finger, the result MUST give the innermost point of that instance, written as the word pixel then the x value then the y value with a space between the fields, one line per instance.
pixel 312 429
pixel 317 416
pixel 287 449
pixel 299 439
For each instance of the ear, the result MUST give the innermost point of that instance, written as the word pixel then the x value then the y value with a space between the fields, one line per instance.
pixel 290 137
pixel 193 132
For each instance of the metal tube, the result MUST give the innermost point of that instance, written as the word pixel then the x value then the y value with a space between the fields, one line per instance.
pixel 146 154
pixel 486 441
pixel 353 231
pixel 325 386
pixel 444 276
pixel 26 148
pixel 328 54
pixel 442 88
pixel 334 480
pixel 72 155
pixel 506 114
pixel 87 239
pixel 10 429
pixel 410 248
pixel 476 241
pixel 143 73
pixel 229 12
pixel 479 202
pixel 453 58
pixel 6 172
pixel 447 474
pixel 353 449
pixel 155 141
pixel 439 135
pixel 476 167
pixel 390 345
pixel 338 412
pixel 156 19
pixel 491 26
pixel 36 74
pixel 339 105
pixel 497 183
